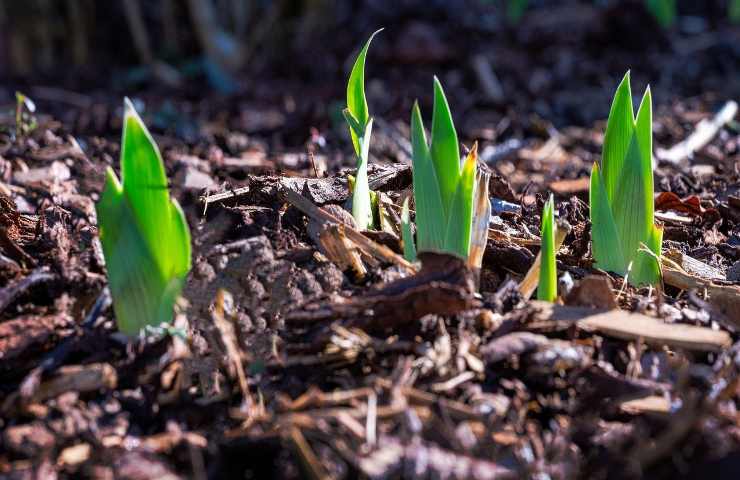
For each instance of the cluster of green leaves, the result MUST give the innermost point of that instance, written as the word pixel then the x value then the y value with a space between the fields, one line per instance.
pixel 443 190
pixel 625 239
pixel 547 288
pixel 360 128
pixel 144 234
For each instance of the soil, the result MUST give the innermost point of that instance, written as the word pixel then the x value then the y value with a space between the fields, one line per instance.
pixel 285 362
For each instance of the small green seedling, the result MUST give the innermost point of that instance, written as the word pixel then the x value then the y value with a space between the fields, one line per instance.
pixel 733 11
pixel 25 120
pixel 515 10
pixel 360 128
pixel 547 288
pixel 621 193
pixel 664 11
pixel 443 191
pixel 145 237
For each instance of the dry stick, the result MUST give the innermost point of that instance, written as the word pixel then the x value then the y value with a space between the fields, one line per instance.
pixel 531 279
pixel 381 252
pixel 726 298
pixel 308 458
pixel 227 334
pixel 220 197
pixel 213 39
pixel 135 21
pixel 160 70
pixel 702 135
pixel 487 78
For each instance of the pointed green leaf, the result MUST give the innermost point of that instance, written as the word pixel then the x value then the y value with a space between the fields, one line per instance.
pixel 607 250
pixel 547 288
pixel 144 234
pixel 460 220
pixel 444 148
pixel 629 204
pixel 620 128
pixel 409 249
pixel 644 136
pixel 362 210
pixel 430 218
pixel 356 101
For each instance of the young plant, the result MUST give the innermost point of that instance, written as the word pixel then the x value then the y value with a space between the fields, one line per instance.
pixel 664 11
pixel 145 238
pixel 515 10
pixel 733 11
pixel 547 288
pixel 360 128
pixel 443 191
pixel 625 239
pixel 25 121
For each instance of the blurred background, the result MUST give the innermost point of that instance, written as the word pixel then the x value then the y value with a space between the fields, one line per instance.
pixel 511 68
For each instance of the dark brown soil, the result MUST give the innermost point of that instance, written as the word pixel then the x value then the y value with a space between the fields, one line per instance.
pixel 284 364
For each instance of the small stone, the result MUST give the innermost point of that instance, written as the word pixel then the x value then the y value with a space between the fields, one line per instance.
pixel 190 178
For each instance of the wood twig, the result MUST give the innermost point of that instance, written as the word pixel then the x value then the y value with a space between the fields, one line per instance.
pixel 703 133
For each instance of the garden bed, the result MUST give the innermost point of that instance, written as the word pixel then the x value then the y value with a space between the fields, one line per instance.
pixel 289 361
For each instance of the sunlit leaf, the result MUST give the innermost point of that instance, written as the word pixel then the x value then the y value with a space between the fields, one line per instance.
pixel 547 288
pixel 144 234
pixel 606 246
pixel 620 128
pixel 460 220
pixel 430 219
pixel 360 128
pixel 444 147
pixel 356 101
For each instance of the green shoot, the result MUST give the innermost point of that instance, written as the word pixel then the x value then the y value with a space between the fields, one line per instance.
pixel 548 286
pixel 443 191
pixel 360 128
pixel 664 11
pixel 621 192
pixel 515 10
pixel 25 121
pixel 733 11
pixel 144 234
